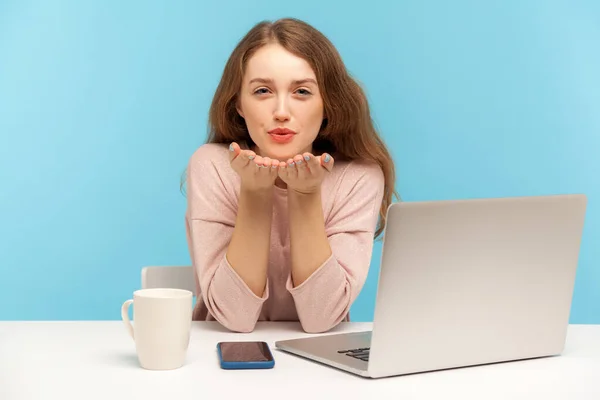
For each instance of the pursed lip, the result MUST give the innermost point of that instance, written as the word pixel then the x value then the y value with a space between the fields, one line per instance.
pixel 281 131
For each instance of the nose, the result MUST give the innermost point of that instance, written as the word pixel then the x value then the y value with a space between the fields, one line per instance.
pixel 282 112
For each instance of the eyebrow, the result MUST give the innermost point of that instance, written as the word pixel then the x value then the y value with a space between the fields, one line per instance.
pixel 295 82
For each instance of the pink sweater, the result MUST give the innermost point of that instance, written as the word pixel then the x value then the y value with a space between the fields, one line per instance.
pixel 351 198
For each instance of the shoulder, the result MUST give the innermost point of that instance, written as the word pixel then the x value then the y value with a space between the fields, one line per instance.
pixel 211 184
pixel 211 161
pixel 354 193
pixel 209 154
pixel 209 166
pixel 348 176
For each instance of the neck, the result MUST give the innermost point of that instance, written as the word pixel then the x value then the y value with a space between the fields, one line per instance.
pixel 280 183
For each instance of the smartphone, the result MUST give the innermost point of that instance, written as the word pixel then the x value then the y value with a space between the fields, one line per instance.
pixel 245 355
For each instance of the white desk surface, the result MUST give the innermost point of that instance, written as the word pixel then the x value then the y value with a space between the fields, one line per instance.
pixel 97 360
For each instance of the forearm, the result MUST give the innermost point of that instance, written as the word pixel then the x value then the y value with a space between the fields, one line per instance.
pixel 309 245
pixel 248 251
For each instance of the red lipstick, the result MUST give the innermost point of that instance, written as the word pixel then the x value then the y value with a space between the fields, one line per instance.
pixel 282 135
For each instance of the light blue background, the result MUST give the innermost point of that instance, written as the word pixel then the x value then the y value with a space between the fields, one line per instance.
pixel 102 103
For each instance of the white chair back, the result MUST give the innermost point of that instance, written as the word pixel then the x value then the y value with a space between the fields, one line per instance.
pixel 174 277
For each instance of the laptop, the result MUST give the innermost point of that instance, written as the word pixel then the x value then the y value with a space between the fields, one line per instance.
pixel 464 283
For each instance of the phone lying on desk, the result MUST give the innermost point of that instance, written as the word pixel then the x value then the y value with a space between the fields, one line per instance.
pixel 245 355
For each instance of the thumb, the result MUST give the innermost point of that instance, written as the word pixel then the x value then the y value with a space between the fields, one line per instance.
pixel 234 151
pixel 327 161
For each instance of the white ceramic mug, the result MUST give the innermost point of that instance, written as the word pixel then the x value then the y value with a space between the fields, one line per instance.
pixel 162 321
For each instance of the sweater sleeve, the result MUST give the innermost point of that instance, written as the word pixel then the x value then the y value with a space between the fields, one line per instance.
pixel 210 220
pixel 324 299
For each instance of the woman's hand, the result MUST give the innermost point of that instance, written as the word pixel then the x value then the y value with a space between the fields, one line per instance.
pixel 256 172
pixel 304 173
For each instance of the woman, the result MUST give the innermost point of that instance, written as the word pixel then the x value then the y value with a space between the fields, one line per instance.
pixel 284 199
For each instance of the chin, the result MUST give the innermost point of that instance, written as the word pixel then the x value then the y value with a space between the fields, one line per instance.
pixel 281 156
pixel 281 152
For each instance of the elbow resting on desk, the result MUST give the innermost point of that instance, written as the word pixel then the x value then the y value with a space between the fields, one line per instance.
pixel 323 321
pixel 324 299
pixel 234 306
pixel 230 301
pixel 233 320
pixel 239 326
pixel 323 325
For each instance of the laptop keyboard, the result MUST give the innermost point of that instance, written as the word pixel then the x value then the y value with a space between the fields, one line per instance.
pixel 361 353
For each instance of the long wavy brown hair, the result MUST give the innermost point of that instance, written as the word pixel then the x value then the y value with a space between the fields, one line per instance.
pixel 347 132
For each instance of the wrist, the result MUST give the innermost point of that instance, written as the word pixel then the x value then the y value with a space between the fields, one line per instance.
pixel 256 203
pixel 256 192
pixel 302 195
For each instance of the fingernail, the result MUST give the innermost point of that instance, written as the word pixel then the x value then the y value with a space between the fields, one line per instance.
pixel 291 163
pixel 274 166
pixel 299 162
pixel 231 147
pixel 306 158
pixel 327 158
pixel 251 157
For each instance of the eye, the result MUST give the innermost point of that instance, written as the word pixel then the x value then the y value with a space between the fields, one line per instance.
pixel 303 92
pixel 261 91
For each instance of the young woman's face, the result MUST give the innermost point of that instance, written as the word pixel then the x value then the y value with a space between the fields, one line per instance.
pixel 281 103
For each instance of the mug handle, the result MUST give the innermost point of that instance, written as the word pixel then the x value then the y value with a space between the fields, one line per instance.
pixel 125 317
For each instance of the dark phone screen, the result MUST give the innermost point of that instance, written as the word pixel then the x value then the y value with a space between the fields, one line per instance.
pixel 245 351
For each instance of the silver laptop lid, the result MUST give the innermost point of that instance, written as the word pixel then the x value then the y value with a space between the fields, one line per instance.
pixel 469 282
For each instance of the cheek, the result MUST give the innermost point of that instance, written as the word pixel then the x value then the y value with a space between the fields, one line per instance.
pixel 252 115
pixel 313 116
pixel 258 111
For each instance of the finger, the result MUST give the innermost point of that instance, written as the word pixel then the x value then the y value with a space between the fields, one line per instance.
pixel 258 161
pixel 291 170
pixel 312 163
pixel 249 154
pixel 264 169
pixel 239 158
pixel 301 166
pixel 234 151
pixel 282 171
pixel 245 157
pixel 327 161
pixel 266 162
pixel 273 168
